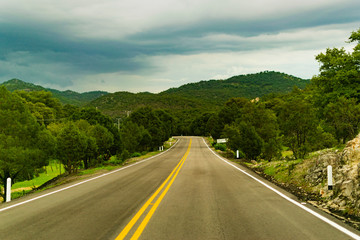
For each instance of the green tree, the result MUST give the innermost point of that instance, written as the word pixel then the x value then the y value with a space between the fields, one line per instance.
pixel 146 141
pixel 250 142
pixel 94 117
pixel 148 118
pixel 103 139
pixel 215 126
pixel 131 134
pixel 265 123
pixel 344 118
pixel 298 124
pixel 24 145
pixel 71 147
pixel 243 137
pixel 42 105
pixel 232 133
pixel 199 125
pixel 339 73
pixel 91 150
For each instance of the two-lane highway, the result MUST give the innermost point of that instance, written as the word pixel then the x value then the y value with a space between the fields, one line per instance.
pixel 185 193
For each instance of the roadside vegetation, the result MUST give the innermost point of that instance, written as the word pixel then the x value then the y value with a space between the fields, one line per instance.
pixel 280 127
pixel 35 127
pixel 289 126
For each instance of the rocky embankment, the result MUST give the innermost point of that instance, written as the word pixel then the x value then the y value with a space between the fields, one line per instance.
pixel 308 179
pixel 345 196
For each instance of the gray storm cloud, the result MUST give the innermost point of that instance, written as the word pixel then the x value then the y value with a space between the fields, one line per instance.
pixel 81 44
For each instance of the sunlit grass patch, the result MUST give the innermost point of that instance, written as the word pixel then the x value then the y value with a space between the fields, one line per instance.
pixel 52 170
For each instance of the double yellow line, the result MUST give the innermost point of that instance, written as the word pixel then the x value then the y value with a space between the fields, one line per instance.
pixel 149 202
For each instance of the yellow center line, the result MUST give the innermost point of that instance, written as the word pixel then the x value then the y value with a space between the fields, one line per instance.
pixel 149 202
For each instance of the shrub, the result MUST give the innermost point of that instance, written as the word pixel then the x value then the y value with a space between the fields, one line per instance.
pixel 219 146
pixel 135 154
pixel 125 155
pixel 115 161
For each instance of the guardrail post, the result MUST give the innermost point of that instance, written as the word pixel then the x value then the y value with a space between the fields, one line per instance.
pixel 8 189
pixel 330 181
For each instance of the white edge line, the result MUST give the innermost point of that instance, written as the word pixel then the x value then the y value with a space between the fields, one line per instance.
pixel 328 221
pixel 85 181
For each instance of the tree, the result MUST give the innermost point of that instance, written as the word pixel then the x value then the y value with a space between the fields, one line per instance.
pixel 71 147
pixel 42 105
pixel 344 118
pixel 91 150
pixel 93 116
pixel 232 110
pixel 339 73
pixel 298 123
pixel 168 122
pixel 150 121
pixel 131 135
pixel 103 139
pixel 243 137
pixel 251 143
pixel 24 145
pixel 199 125
pixel 265 124
pixel 215 126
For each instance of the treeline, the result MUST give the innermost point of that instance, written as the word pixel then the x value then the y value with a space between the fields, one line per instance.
pixel 326 113
pixel 35 127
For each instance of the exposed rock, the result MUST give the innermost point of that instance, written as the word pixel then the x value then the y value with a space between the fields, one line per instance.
pixel 346 167
pixel 347 188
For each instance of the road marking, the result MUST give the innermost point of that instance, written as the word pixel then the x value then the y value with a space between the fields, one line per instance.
pixel 85 181
pixel 147 218
pixel 328 221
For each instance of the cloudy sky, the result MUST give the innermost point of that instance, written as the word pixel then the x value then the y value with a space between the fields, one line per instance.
pixel 133 45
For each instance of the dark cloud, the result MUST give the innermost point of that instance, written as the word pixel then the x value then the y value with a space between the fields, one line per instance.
pixel 49 52
pixel 180 39
pixel 26 48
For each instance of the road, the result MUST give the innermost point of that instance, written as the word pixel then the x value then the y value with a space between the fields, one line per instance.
pixel 185 193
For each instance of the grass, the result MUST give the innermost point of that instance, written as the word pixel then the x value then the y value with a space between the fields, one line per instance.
pixel 19 189
pixel 287 153
pixel 54 169
pixel 279 170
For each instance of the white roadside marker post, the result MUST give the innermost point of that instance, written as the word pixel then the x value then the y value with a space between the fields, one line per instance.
pixel 330 181
pixel 8 189
pixel 237 154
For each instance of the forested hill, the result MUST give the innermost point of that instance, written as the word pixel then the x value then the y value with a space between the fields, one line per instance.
pixel 204 95
pixel 249 86
pixel 66 97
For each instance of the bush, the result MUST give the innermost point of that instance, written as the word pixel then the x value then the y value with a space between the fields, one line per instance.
pixel 115 161
pixel 125 155
pixel 135 154
pixel 220 146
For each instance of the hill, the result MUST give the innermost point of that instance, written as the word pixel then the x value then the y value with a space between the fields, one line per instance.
pixel 249 86
pixel 204 95
pixel 119 103
pixel 66 97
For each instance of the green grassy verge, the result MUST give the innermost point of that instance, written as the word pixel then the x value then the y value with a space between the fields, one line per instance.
pixel 54 169
pixel 19 189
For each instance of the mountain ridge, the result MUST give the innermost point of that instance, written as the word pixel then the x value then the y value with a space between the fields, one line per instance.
pixel 206 95
pixel 65 97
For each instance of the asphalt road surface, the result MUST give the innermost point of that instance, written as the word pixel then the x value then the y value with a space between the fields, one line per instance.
pixel 186 193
